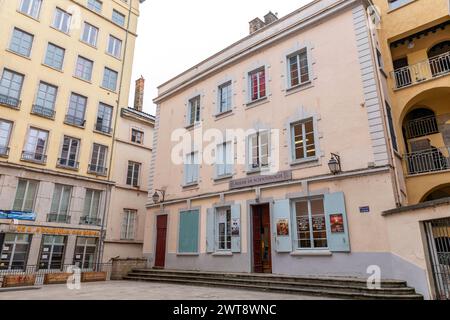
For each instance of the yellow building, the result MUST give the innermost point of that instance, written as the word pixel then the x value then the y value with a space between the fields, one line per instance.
pixel 414 39
pixel 65 71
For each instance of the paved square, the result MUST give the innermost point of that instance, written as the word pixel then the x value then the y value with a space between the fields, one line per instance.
pixel 129 290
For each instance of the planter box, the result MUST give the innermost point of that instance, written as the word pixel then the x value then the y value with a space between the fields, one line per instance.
pixel 26 280
pixel 56 278
pixel 93 276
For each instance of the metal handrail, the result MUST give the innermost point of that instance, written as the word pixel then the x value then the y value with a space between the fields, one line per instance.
pixel 100 127
pixel 90 221
pixel 66 163
pixel 56 217
pixel 9 101
pixel 69 119
pixel 33 156
pixel 422 71
pixel 430 160
pixel 43 111
pixel 93 168
pixel 421 127
pixel 4 151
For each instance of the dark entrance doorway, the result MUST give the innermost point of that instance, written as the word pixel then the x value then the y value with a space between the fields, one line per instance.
pixel 262 249
pixel 161 234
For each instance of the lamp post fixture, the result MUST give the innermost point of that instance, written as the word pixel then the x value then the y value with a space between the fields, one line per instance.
pixel 335 164
pixel 157 195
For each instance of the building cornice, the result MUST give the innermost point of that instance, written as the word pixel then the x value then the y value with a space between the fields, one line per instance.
pixel 146 118
pixel 296 21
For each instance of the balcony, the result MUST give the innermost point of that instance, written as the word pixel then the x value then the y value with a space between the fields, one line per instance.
pixel 60 218
pixel 34 157
pixel 74 121
pixel 92 221
pixel 68 164
pixel 4 151
pixel 43 111
pixel 423 71
pixel 421 127
pixel 10 102
pixel 427 161
pixel 99 127
pixel 97 170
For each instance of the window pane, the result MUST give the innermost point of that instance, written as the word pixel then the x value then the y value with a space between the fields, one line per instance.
pixel 21 42
pixel 54 56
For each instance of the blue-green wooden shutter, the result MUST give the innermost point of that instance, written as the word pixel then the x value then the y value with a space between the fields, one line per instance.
pixel 236 239
pixel 188 235
pixel 210 230
pixel 334 203
pixel 281 210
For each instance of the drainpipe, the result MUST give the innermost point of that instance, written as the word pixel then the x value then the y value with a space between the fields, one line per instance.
pixel 109 189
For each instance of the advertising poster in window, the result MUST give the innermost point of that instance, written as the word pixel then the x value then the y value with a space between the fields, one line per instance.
pixel 235 227
pixel 283 227
pixel 337 223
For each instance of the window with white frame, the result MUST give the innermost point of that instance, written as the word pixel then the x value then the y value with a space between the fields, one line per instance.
pixel 303 140
pixel 35 145
pixel 98 159
pixel 84 255
pixel 191 168
pixel 84 68
pixel 114 46
pixel 298 68
pixel 128 224
pixel 104 118
pixel 77 108
pixel 59 210
pixel 25 195
pixel 62 20
pixel 54 57
pixel 310 224
pixel 224 159
pixel 95 5
pixel 194 110
pixel 10 88
pixel 5 135
pixel 14 252
pixel 223 229
pixel 118 18
pixel 21 42
pixel 110 79
pixel 225 97
pixel 31 7
pixel 90 34
pixel 258 150
pixel 45 100
pixel 137 136
pixel 257 83
pixel 91 210
pixel 133 171
pixel 69 152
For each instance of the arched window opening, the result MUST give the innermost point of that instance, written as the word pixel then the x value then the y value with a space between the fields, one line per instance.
pixel 420 122
pixel 439 57
pixel 441 193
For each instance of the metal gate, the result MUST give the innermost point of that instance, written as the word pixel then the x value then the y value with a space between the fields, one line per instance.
pixel 438 236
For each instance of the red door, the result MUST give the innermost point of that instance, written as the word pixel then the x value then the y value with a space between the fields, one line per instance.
pixel 161 232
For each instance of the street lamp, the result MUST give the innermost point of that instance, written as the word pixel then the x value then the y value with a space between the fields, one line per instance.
pixel 335 164
pixel 156 196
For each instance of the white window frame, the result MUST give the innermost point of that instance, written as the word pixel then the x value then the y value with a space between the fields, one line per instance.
pixel 250 99
pixel 139 132
pixel 71 141
pixel 91 203
pixel 91 4
pixel 229 97
pixel 226 159
pixel 191 168
pixel 197 112
pixel 302 122
pixel 22 32
pixel 135 173
pixel 116 46
pixel 59 24
pixel 222 212
pixel 250 147
pixel 29 10
pixel 97 164
pixel 296 54
pixel 32 146
pixel 91 32
pixel 108 72
pixel 116 13
pixel 26 193
pixel 64 188
pixel 128 230
pixel 8 134
pixel 53 57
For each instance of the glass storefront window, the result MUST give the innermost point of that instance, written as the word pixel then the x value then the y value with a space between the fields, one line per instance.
pixel 311 226
pixel 52 252
pixel 85 252
pixel 14 251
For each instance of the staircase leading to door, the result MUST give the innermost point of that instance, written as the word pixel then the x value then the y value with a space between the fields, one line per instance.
pixel 334 287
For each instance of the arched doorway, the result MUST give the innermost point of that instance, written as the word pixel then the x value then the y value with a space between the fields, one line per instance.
pixel 440 192
pixel 439 57
pixel 419 122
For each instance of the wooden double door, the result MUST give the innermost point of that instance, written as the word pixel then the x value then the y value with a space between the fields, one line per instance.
pixel 261 235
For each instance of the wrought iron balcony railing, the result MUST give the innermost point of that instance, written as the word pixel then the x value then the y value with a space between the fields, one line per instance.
pixel 72 120
pixel 9 101
pixel 425 161
pixel 422 71
pixel 421 127
pixel 4 151
pixel 55 217
pixel 101 128
pixel 68 163
pixel 98 170
pixel 34 157
pixel 93 221
pixel 43 111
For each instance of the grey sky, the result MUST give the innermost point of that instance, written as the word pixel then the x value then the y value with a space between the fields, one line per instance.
pixel 174 35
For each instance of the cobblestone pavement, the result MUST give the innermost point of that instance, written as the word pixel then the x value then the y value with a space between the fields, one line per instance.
pixel 129 290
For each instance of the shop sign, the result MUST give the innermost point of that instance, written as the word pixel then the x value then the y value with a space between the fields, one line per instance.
pixel 17 215
pixel 261 179
pixel 337 223
pixel 56 231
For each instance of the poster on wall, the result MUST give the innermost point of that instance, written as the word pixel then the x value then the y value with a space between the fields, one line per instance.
pixel 283 227
pixel 337 223
pixel 235 227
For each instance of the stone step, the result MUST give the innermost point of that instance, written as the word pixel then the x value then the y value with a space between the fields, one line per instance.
pixel 267 282
pixel 290 290
pixel 346 281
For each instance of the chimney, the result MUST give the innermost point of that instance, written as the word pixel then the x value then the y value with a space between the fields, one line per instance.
pixel 255 25
pixel 270 17
pixel 139 94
